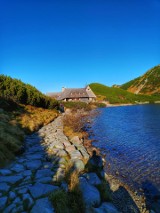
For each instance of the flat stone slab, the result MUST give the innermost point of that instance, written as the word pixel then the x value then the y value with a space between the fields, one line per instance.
pixel 4 187
pixel 44 173
pixel 11 179
pixel 36 164
pixel 40 190
pixel 43 205
pixel 44 180
pixel 17 168
pixel 76 155
pixel 35 156
pixel 5 172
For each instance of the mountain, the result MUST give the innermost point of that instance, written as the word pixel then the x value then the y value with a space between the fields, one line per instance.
pixel 118 95
pixel 149 83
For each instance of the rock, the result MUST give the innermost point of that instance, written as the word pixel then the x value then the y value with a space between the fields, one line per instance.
pixel 44 173
pixel 76 140
pixel 11 179
pixel 17 168
pixel 27 173
pixel 70 148
pixel 44 180
pixel 78 165
pixel 10 208
pixel 61 153
pixel 36 164
pixel 92 178
pixel 3 202
pixel 23 190
pixel 39 189
pixel 17 201
pixel 4 187
pixel 27 201
pixel 35 156
pixel 76 155
pixel 91 195
pixel 5 172
pixel 42 206
pixel 12 195
pixel 106 208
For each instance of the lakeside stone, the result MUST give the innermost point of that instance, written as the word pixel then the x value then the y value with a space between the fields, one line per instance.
pixel 43 205
pixel 92 178
pixel 39 189
pixel 91 195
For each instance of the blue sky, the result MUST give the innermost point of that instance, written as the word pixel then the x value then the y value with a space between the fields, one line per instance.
pixel 55 43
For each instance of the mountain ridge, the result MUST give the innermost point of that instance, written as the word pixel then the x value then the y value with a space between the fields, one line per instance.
pixel 148 83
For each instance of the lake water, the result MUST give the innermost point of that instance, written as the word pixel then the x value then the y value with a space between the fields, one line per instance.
pixel 130 138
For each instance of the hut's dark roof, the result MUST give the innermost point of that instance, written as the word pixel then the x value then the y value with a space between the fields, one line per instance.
pixel 72 93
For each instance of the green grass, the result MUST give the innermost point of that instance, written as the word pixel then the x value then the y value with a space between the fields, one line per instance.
pixel 151 81
pixel 129 83
pixel 120 96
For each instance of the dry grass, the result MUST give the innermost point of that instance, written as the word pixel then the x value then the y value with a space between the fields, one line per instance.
pixel 71 201
pixel 15 124
pixel 33 118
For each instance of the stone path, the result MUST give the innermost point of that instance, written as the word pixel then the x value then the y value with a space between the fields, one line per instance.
pixel 26 183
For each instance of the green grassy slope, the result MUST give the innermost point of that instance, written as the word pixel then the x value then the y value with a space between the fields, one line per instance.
pixel 23 109
pixel 118 95
pixel 24 93
pixel 149 83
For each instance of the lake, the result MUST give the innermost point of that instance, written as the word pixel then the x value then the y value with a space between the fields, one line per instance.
pixel 129 136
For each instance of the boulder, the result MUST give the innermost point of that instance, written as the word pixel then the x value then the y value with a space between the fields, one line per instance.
pixel 91 195
pixel 92 178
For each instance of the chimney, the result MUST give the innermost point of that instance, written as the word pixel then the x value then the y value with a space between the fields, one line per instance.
pixel 63 88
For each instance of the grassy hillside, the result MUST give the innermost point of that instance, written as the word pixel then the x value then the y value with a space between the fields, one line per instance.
pixel 23 110
pixel 149 83
pixel 16 120
pixel 24 93
pixel 118 95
